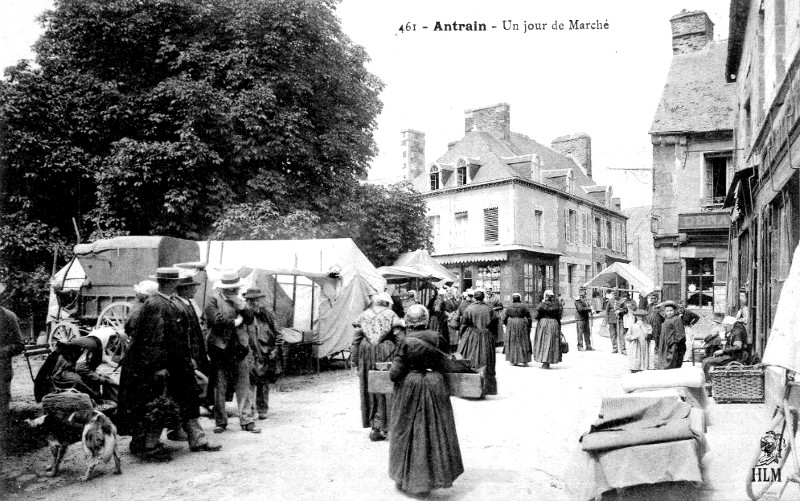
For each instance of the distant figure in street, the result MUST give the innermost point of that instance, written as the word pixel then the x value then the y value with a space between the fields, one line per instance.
pixel 11 344
pixel 494 302
pixel 583 320
pixel 636 339
pixel 547 339
pixel 673 338
pixel 438 314
pixel 477 341
pixel 517 320
pixel 611 321
pixel 266 342
pixel 654 319
pixel 451 304
pixel 378 332
pixel 424 453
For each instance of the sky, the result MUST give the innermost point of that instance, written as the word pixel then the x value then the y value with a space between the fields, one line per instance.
pixel 604 82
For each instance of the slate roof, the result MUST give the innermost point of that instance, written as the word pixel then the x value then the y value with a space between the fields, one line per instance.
pixel 697 96
pixel 495 155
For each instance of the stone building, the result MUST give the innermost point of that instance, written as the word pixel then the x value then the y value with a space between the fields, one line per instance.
pixel 692 137
pixel 515 215
pixel 641 251
pixel 762 62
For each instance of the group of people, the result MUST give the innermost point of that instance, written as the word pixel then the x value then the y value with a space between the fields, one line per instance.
pixel 181 358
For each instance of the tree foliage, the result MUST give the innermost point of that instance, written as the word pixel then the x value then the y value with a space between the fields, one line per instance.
pixel 158 116
pixel 383 221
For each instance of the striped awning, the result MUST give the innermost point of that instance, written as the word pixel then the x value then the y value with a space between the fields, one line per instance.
pixel 473 257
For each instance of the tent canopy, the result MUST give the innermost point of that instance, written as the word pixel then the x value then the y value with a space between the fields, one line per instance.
pixel 399 274
pixel 635 277
pixel 327 282
pixel 422 262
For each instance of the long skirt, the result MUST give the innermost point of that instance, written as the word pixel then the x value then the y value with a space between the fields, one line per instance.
pixel 424 453
pixel 547 341
pixel 518 345
pixel 477 346
pixel 374 406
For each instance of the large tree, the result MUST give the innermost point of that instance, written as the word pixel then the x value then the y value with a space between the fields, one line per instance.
pixel 152 116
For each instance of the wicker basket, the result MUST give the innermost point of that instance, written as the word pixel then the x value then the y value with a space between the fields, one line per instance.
pixel 736 383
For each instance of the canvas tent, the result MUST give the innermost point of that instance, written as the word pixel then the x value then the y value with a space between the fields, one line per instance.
pixel 422 262
pixel 322 285
pixel 612 275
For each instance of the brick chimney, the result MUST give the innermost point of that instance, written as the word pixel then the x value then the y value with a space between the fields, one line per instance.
pixel 495 119
pixel 691 31
pixel 413 145
pixel 577 147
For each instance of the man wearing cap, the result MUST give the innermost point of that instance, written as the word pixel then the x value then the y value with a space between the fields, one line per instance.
pixel 159 361
pixel 11 344
pixel 451 304
pixel 229 349
pixel 654 319
pixel 673 337
pixel 583 320
pixel 377 335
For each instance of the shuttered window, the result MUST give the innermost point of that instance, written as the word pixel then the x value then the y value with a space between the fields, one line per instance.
pixel 671 278
pixel 490 224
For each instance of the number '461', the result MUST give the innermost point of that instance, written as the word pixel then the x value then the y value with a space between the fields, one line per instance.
pixel 408 27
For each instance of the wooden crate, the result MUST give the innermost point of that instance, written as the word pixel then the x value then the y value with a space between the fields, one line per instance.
pixel 736 383
pixel 461 384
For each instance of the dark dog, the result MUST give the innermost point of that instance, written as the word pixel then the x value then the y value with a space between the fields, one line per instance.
pixel 93 428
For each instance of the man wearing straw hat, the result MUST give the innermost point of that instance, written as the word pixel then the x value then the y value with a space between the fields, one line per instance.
pixel 229 350
pixel 11 344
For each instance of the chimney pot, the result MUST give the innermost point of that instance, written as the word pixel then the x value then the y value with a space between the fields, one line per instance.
pixel 691 31
pixel 495 119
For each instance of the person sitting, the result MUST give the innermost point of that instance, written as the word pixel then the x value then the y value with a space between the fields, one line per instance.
pixel 735 350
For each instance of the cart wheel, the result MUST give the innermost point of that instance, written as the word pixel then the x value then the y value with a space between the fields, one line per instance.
pixel 64 332
pixel 114 316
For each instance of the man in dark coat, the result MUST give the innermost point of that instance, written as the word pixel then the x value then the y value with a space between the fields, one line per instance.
pixel 11 344
pixel 158 363
pixel 583 320
pixel 654 319
pixel 477 342
pixel 673 337
pixel 735 350
pixel 451 305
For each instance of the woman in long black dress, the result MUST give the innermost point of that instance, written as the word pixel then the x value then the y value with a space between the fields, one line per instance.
pixel 424 453
pixel 546 341
pixel 517 319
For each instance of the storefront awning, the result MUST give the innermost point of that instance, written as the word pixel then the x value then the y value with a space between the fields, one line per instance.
pixel 473 257
pixel 738 176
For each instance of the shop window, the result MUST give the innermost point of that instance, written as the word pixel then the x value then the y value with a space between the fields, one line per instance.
pixel 488 276
pixel 490 222
pixel 467 279
pixel 545 279
pixel 671 281
pixel 700 283
pixel 460 225
pixel 527 286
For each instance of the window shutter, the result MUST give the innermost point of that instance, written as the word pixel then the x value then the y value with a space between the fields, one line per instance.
pixel 490 233
pixel 671 278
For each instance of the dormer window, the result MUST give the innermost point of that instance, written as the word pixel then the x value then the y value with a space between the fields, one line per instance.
pixel 461 172
pixel 435 177
pixel 536 168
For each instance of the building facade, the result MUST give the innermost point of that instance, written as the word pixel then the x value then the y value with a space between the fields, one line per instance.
pixel 763 58
pixel 517 216
pixel 692 137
